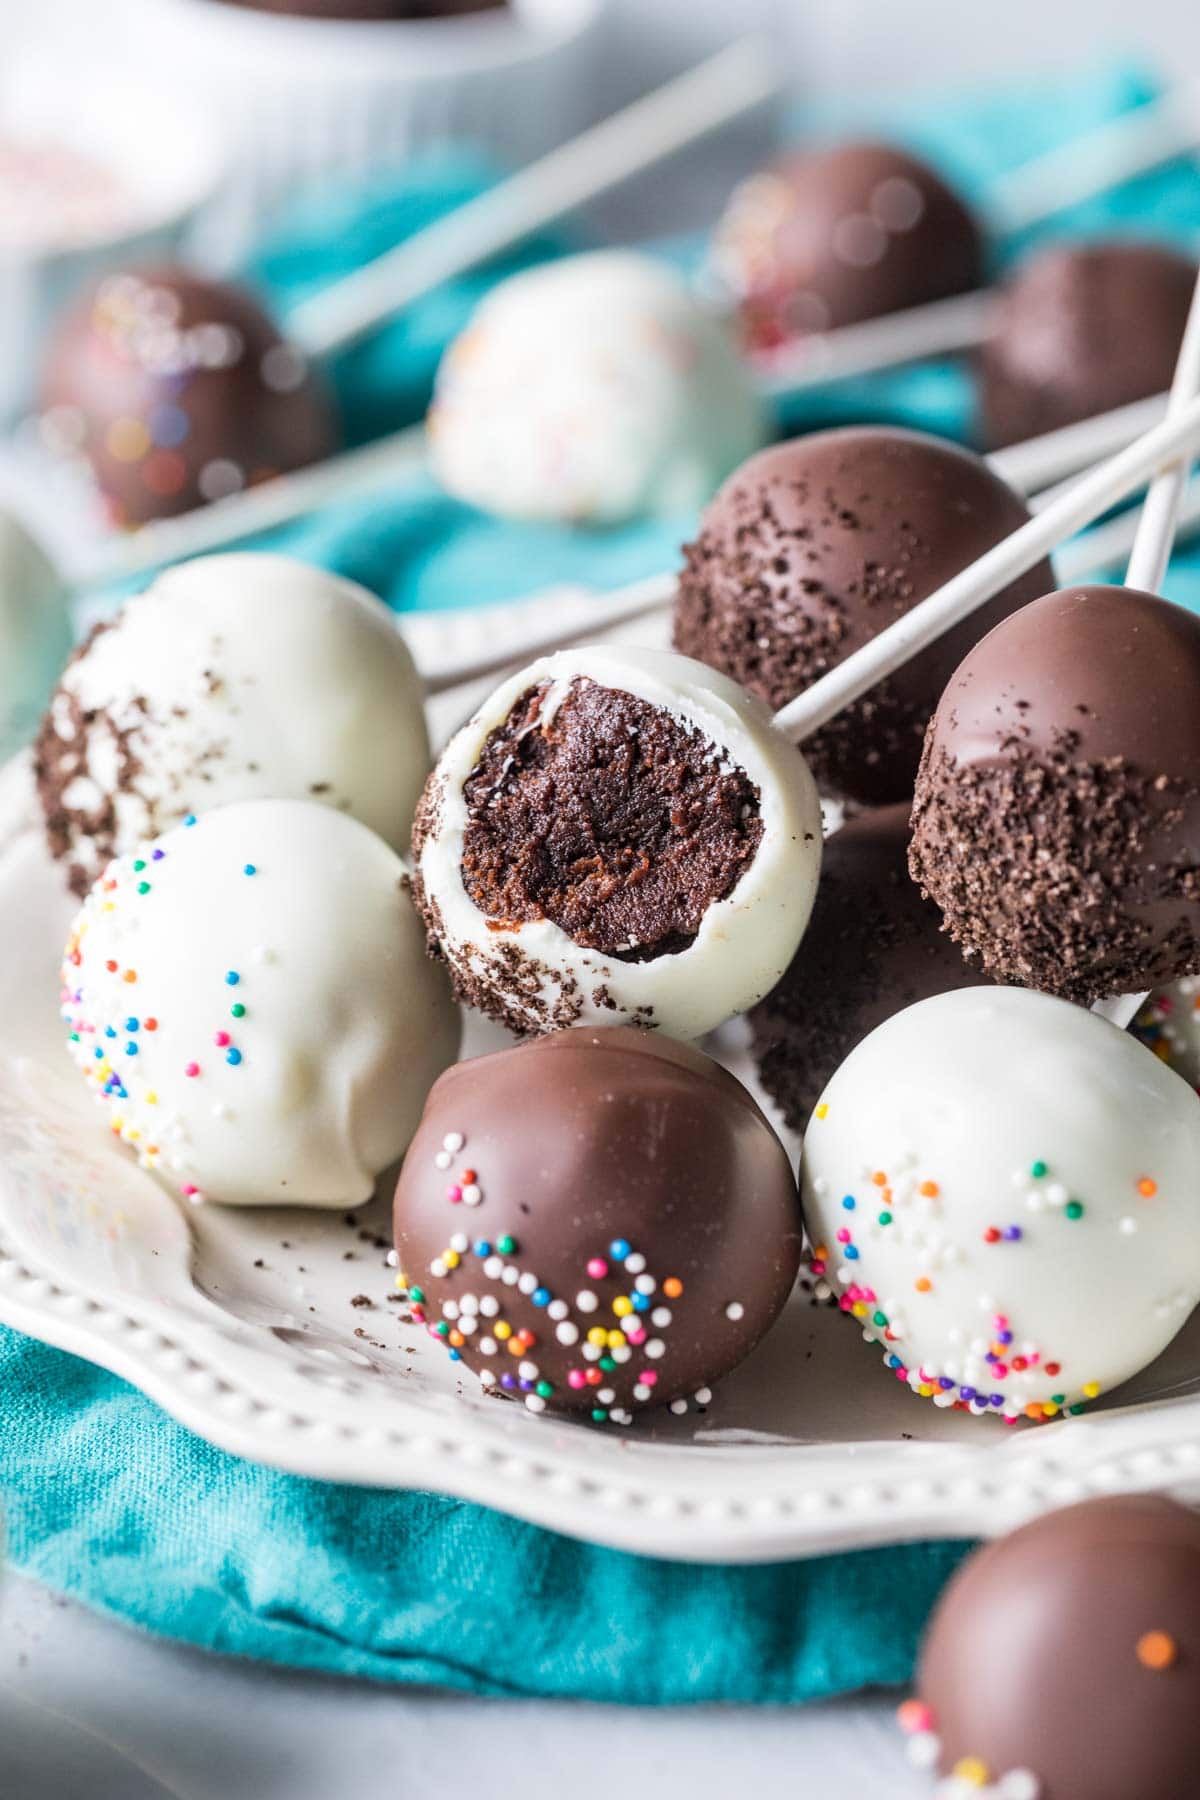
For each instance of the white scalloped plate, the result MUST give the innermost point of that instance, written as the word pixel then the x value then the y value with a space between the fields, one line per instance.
pixel 243 1325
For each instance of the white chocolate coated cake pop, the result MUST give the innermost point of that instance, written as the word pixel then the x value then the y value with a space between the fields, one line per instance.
pixel 618 836
pixel 35 632
pixel 1001 1187
pixel 1169 1024
pixel 592 389
pixel 250 999
pixel 231 678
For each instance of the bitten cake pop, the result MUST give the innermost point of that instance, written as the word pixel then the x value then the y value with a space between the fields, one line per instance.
pixel 623 1244
pixel 178 390
pixel 1001 1188
pixel 617 836
pixel 35 633
pixel 812 548
pixel 1063 1662
pixel 1057 813
pixel 1080 329
pixel 593 389
pixel 233 677
pixel 873 946
pixel 837 236
pixel 250 1001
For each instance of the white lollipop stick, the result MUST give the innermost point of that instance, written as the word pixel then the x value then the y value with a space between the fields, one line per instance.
pixel 1152 546
pixel 685 110
pixel 908 636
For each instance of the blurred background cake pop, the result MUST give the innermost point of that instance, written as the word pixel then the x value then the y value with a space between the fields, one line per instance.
pixel 873 946
pixel 595 389
pixel 631 1241
pixel 1079 329
pixel 1063 1662
pixel 233 677
pixel 833 237
pixel 35 632
pixel 1169 1024
pixel 179 389
pixel 812 548
pixel 1001 1188
pixel 249 999
pixel 1057 812
pixel 618 836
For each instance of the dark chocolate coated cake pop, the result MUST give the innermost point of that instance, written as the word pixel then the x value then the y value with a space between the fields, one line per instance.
pixel 834 237
pixel 1063 1662
pixel 1080 329
pixel 814 546
pixel 1057 812
pixel 597 1222
pixel 180 390
pixel 874 945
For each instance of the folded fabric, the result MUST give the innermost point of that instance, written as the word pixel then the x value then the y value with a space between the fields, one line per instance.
pixel 108 1499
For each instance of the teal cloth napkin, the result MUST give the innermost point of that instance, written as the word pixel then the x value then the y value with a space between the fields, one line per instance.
pixel 108 1499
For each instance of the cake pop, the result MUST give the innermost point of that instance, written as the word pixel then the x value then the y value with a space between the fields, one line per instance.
pixel 617 836
pixel 249 1000
pixel 873 946
pixel 179 389
pixel 1001 1187
pixel 812 548
pixel 593 389
pixel 624 1245
pixel 1057 812
pixel 233 677
pixel 1081 329
pixel 35 632
pixel 1063 1662
pixel 1169 1024
pixel 833 237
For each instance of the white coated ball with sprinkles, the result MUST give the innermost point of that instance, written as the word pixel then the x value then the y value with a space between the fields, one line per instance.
pixel 595 388
pixel 1169 1024
pixel 1002 1189
pixel 236 677
pixel 250 1000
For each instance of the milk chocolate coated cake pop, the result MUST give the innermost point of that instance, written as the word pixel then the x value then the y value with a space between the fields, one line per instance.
pixel 1001 1189
pixel 1063 1662
pixel 1057 812
pixel 1080 329
pixel 595 389
pixel 873 946
pixel 622 1243
pixel 250 1001
pixel 617 836
pixel 837 236
pixel 178 390
pixel 812 548
pixel 234 677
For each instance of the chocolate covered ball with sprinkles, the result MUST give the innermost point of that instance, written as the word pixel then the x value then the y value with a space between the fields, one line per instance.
pixel 813 547
pixel 1057 813
pixel 597 1222
pixel 618 836
pixel 873 946
pixel 832 237
pixel 179 390
pixel 1063 1662
pixel 249 999
pixel 1080 329
pixel 1000 1187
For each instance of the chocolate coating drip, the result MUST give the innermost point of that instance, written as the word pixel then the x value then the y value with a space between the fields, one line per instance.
pixel 873 946
pixel 647 1207
pixel 831 238
pixel 1071 1650
pixel 1081 329
pixel 1057 812
pixel 180 390
pixel 608 816
pixel 811 548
